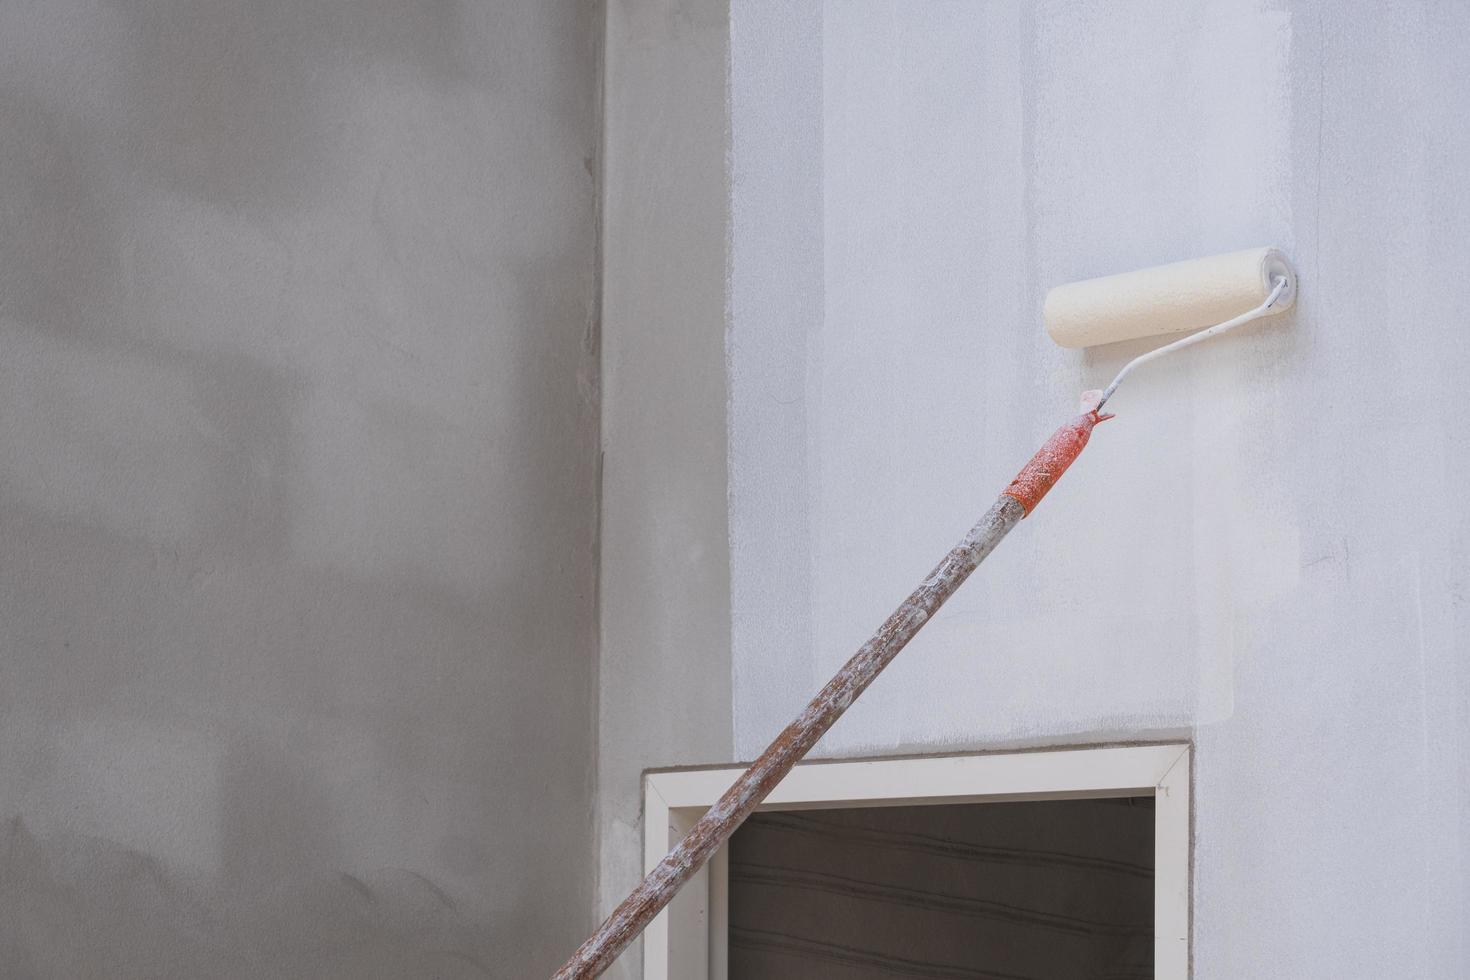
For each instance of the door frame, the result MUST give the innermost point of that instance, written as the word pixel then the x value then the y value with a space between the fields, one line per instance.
pixel 688 939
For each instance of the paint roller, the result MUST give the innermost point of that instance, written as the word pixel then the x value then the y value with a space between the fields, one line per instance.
pixel 1200 298
pixel 1225 290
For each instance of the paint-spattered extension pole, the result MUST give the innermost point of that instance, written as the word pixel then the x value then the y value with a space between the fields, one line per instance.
pixel 741 799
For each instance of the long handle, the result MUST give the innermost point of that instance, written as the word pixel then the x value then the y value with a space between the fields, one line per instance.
pixel 656 890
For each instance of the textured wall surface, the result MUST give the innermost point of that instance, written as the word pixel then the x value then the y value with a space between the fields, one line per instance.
pixel 1265 551
pixel 297 462
pixel 664 663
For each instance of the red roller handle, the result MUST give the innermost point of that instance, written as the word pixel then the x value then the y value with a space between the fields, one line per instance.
pixel 1052 459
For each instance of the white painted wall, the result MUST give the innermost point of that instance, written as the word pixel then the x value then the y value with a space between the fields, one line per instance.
pixel 1266 550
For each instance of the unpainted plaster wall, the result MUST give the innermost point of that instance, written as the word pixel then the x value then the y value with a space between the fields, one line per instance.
pixel 664 663
pixel 297 487
pixel 1265 551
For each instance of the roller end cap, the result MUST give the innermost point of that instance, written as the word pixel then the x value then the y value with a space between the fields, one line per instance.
pixel 1275 264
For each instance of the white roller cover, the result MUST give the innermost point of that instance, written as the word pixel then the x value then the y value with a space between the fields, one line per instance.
pixel 1166 299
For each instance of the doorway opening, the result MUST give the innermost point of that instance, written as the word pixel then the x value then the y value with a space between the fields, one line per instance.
pixel 971 866
pixel 1061 889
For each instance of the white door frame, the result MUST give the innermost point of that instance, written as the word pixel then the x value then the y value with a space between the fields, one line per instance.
pixel 687 940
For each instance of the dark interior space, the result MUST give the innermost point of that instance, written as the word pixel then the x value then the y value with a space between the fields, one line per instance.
pixel 1042 890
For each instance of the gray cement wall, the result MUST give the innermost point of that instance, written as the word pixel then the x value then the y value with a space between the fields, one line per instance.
pixel 664 665
pixel 297 487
